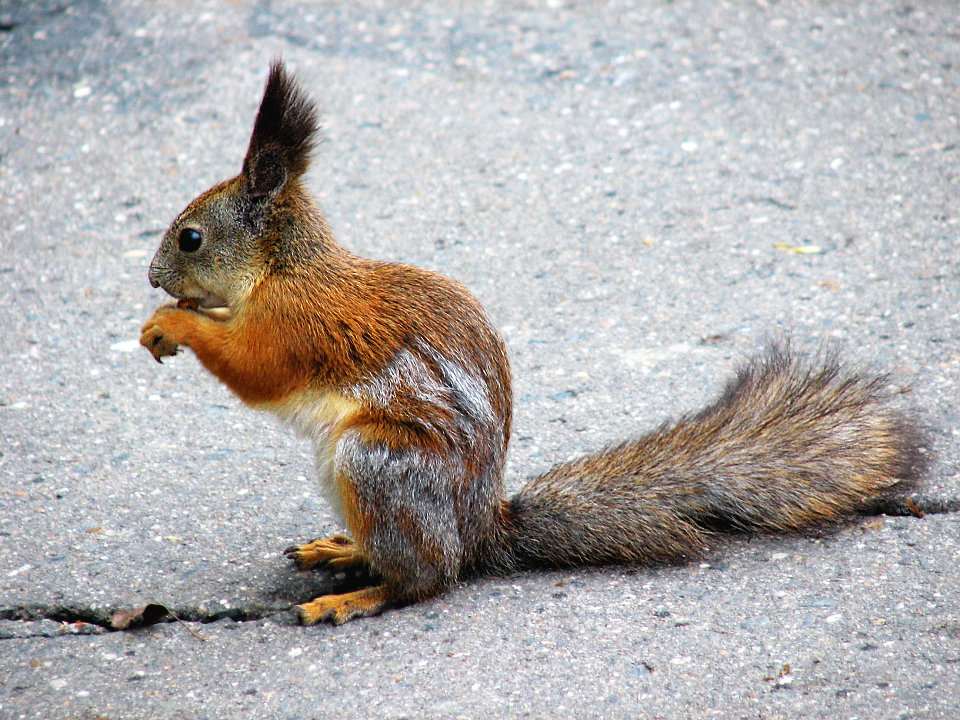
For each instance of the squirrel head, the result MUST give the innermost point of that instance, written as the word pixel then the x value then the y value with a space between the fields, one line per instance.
pixel 223 242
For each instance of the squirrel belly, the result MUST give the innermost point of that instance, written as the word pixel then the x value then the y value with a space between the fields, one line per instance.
pixel 402 384
pixel 320 417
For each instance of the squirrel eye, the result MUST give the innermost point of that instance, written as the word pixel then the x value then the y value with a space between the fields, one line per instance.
pixel 189 240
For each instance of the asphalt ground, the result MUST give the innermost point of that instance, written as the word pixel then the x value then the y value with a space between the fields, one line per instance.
pixel 640 193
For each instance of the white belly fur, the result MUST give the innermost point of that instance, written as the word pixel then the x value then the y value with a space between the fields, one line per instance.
pixel 320 417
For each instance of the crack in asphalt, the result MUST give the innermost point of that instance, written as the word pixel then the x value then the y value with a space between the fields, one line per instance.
pixel 85 620
pixel 908 506
pixel 75 619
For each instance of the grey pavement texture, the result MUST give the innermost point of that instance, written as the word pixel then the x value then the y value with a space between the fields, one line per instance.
pixel 639 192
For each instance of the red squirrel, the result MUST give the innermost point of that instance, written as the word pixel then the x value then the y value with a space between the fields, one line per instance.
pixel 401 382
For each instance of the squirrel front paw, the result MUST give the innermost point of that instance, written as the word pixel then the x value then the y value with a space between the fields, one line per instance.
pixel 159 334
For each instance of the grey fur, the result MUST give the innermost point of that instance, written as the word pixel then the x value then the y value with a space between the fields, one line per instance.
pixel 788 444
pixel 414 541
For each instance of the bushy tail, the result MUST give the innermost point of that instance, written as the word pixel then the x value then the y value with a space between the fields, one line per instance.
pixel 789 444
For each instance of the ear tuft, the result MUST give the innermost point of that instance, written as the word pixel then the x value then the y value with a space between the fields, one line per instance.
pixel 284 134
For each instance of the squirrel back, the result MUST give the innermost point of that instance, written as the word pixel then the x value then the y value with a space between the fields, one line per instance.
pixel 402 384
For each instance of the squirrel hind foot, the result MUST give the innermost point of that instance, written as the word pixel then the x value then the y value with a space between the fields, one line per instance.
pixel 337 552
pixel 338 609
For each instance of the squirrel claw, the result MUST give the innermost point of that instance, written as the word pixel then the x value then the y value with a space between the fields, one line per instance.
pixel 159 347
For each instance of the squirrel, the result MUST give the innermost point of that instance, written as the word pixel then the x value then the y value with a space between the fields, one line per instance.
pixel 402 384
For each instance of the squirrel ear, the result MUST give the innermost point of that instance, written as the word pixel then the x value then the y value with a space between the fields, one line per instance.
pixel 283 135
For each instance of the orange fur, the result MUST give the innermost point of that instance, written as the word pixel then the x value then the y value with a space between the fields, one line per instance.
pixel 358 521
pixel 249 356
pixel 337 552
pixel 337 609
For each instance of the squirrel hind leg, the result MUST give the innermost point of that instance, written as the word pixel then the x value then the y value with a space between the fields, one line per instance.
pixel 337 553
pixel 338 609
